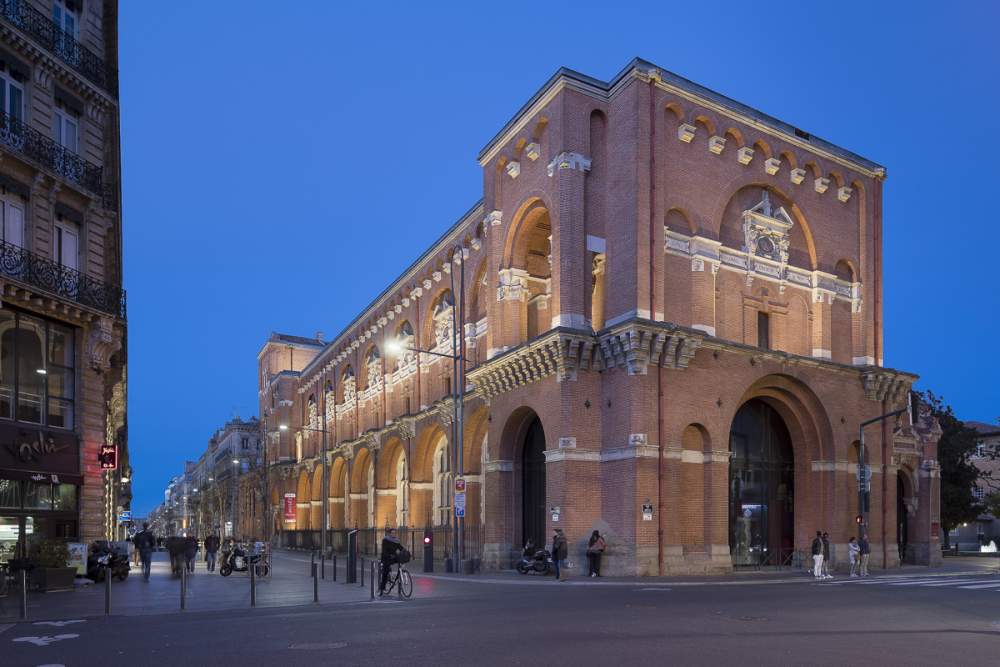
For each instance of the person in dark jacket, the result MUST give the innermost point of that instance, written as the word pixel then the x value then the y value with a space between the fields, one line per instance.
pixel 817 554
pixel 390 547
pixel 212 543
pixel 595 549
pixel 866 553
pixel 190 552
pixel 145 542
pixel 560 550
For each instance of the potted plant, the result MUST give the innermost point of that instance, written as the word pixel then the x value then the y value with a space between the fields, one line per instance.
pixel 50 572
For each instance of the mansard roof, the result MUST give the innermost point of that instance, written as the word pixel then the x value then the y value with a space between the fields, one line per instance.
pixel 604 90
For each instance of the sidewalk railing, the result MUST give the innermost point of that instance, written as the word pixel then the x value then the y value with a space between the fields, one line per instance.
pixel 370 540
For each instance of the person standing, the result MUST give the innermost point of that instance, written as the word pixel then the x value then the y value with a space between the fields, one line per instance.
pixel 144 542
pixel 854 554
pixel 560 550
pixel 817 554
pixel 190 552
pixel 826 556
pixel 595 549
pixel 212 543
pixel 866 553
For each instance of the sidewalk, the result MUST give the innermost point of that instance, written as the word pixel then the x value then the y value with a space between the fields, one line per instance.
pixel 289 584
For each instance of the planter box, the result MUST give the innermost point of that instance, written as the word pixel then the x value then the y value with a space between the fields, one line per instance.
pixel 53 578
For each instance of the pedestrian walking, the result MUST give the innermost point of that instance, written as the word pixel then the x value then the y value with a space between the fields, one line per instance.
pixel 817 554
pixel 866 553
pixel 212 543
pixel 190 552
pixel 595 549
pixel 826 556
pixel 854 554
pixel 144 542
pixel 560 549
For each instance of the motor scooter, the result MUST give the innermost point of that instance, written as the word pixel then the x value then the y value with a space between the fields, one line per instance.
pixel 103 559
pixel 535 560
pixel 237 559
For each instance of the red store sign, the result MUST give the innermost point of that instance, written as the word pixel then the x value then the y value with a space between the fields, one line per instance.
pixel 289 507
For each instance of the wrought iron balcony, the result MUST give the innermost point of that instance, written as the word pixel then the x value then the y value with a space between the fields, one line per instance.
pixel 45 274
pixel 29 142
pixel 65 47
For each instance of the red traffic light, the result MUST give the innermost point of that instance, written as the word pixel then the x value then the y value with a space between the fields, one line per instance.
pixel 860 519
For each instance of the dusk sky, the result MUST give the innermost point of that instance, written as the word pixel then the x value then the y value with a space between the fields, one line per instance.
pixel 284 162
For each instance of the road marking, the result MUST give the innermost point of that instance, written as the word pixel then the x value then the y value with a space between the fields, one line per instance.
pixel 995 584
pixel 960 581
pixel 58 624
pixel 653 589
pixel 319 646
pixel 44 640
pixel 4 627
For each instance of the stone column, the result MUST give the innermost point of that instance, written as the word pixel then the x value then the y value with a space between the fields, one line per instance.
pixel 703 295
pixel 569 240
pixel 499 488
pixel 822 314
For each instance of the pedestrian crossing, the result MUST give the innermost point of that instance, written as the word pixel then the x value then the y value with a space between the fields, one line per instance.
pixel 970 582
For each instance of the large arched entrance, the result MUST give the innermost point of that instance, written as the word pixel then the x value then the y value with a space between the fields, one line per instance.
pixel 533 484
pixel 761 487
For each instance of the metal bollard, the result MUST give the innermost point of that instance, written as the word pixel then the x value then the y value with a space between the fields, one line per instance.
pixel 362 573
pixel 183 587
pixel 24 595
pixel 315 584
pixel 107 591
pixel 322 566
pixel 253 585
pixel 372 579
pixel 334 567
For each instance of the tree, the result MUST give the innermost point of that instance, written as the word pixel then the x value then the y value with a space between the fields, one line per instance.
pixel 958 474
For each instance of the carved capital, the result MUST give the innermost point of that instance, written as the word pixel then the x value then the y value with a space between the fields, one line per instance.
pixel 568 160
pixel 102 343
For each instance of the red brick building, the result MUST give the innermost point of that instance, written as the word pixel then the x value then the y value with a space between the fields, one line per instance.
pixel 670 308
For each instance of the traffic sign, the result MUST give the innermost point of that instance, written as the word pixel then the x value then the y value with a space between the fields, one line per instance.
pixel 460 504
pixel 459 485
pixel 124 515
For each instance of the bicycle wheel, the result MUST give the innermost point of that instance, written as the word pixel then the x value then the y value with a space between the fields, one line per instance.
pixel 405 583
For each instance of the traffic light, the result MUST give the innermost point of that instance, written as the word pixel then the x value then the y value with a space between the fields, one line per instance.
pixel 859 519
pixel 428 550
pixel 108 456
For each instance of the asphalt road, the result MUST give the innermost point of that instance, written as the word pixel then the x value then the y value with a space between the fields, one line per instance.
pixel 938 620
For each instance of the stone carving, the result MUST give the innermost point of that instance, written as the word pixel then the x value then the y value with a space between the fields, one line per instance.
pixel 513 285
pixel 568 160
pixel 102 343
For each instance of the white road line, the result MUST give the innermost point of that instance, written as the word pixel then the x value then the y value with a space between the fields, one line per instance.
pixel 912 582
pixel 995 584
pixel 961 581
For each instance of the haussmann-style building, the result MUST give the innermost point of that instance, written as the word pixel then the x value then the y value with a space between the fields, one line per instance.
pixel 670 307
pixel 62 307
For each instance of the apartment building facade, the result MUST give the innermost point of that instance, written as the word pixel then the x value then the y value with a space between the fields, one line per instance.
pixel 63 318
pixel 668 312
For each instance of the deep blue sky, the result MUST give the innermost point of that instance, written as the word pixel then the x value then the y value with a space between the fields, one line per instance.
pixel 285 161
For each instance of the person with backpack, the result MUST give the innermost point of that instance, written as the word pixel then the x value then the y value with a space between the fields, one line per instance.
pixel 391 546
pixel 595 549
pixel 817 554
pixel 145 542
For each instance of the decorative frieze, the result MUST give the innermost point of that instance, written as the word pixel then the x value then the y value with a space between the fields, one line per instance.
pixel 821 184
pixel 883 384
pixel 513 168
pixel 844 193
pixel 744 155
pixel 716 145
pixel 686 132
pixel 797 175
pixel 772 165
pixel 633 346
pixel 533 151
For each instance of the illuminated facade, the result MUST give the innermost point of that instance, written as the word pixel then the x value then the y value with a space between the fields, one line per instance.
pixel 670 307
pixel 63 318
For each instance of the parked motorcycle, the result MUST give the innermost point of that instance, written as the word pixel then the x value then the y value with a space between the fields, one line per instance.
pixel 535 560
pixel 103 559
pixel 238 560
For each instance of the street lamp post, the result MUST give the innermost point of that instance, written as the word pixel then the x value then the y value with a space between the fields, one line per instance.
pixel 864 478
pixel 235 495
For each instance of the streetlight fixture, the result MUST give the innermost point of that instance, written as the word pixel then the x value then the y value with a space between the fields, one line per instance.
pixel 864 478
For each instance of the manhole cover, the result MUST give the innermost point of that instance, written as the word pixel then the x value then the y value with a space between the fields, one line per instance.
pixel 319 646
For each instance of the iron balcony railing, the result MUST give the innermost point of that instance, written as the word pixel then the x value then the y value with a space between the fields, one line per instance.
pixel 43 273
pixel 29 142
pixel 65 47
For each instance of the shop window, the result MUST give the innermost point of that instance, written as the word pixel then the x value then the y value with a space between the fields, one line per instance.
pixel 37 379
pixel 10 493
pixel 38 496
pixel 64 497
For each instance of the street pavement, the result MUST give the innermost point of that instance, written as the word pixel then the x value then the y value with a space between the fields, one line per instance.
pixel 915 617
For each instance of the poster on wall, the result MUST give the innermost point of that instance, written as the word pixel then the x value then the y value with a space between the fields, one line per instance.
pixel 289 507
pixel 77 557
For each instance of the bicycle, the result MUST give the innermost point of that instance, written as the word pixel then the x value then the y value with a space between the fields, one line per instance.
pixel 401 580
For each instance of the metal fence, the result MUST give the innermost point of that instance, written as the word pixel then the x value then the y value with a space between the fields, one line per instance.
pixel 370 540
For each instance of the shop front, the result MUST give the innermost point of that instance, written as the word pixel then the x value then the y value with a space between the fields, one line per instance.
pixel 39 488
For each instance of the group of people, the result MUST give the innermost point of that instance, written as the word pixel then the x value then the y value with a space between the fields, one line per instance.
pixel 144 543
pixel 858 553
pixel 595 550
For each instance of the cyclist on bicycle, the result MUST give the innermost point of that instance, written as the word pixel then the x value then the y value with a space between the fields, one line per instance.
pixel 390 547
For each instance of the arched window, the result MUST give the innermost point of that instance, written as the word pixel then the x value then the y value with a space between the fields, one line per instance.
pixel 442 484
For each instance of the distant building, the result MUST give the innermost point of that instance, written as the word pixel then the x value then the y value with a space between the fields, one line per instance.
pixel 986 528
